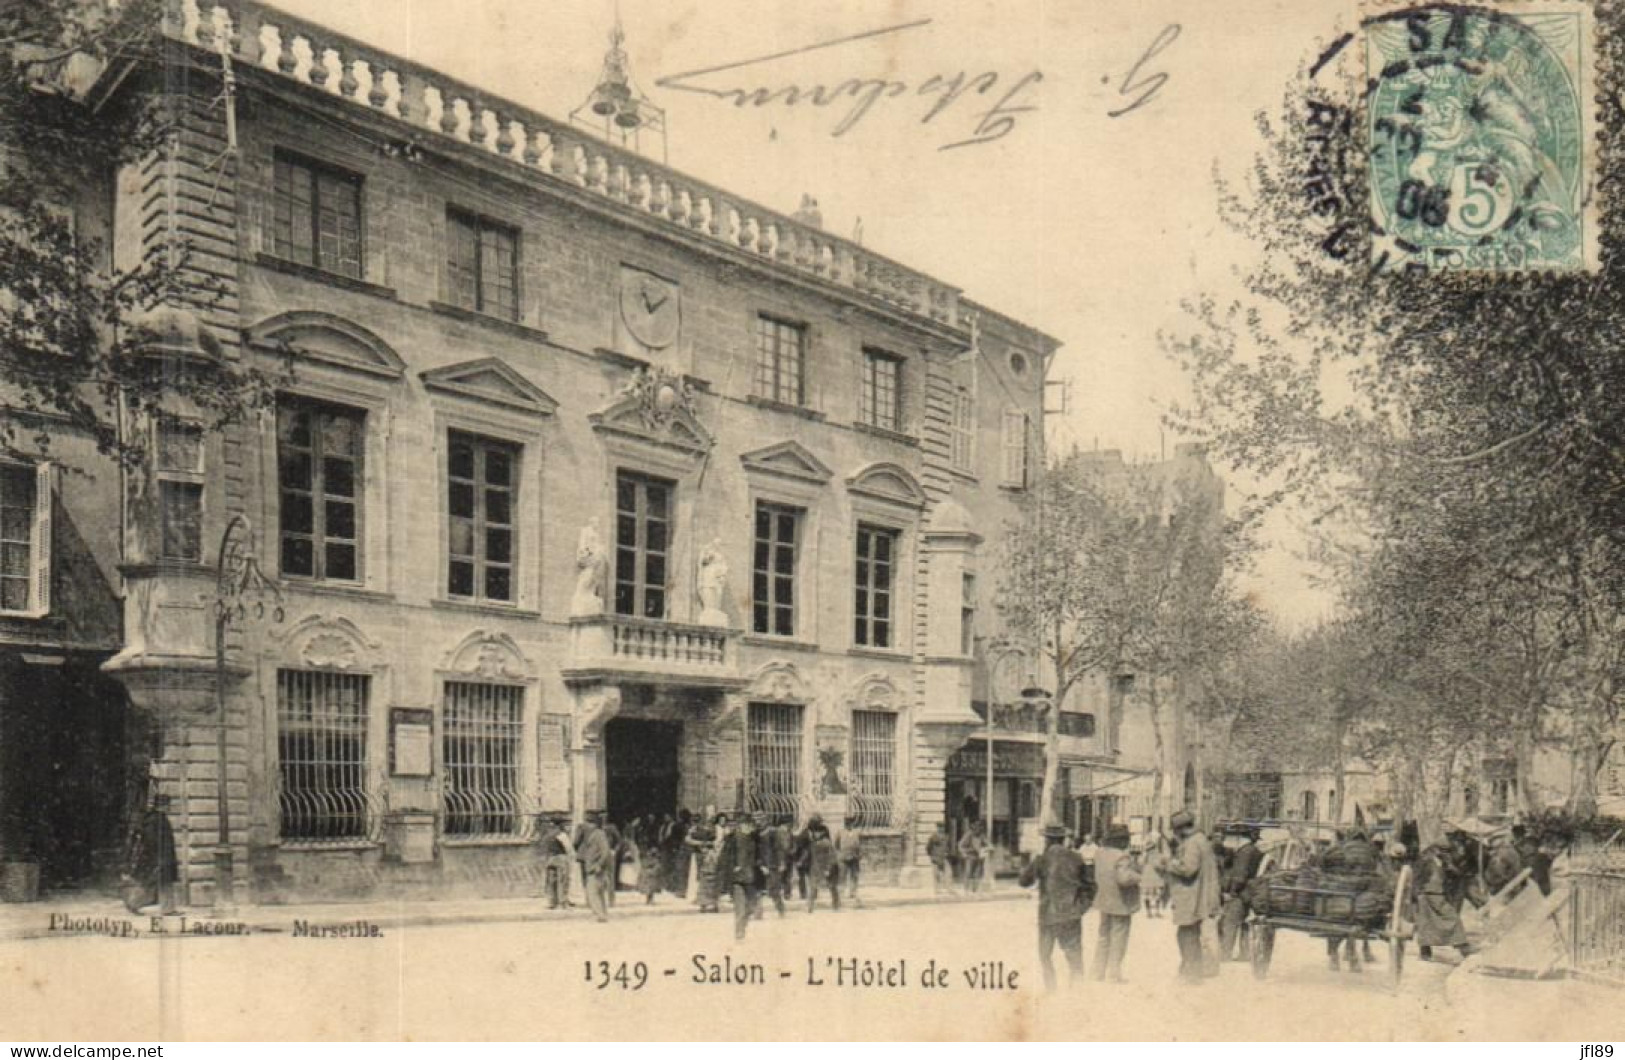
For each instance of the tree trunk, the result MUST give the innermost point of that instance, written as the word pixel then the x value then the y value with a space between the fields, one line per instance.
pixel 1048 810
pixel 1339 777
pixel 1159 787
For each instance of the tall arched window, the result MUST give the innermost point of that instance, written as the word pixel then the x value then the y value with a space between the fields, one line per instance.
pixel 1311 808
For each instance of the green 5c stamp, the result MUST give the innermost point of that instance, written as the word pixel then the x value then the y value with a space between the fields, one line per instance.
pixel 1480 132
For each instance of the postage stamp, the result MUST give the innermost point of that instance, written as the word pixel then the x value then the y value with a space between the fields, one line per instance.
pixel 1481 135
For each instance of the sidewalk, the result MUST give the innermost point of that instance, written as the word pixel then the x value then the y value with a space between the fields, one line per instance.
pixel 1558 1009
pixel 82 915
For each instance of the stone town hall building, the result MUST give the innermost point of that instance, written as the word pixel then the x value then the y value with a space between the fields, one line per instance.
pixel 587 486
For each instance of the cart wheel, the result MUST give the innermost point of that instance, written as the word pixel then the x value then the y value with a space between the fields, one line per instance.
pixel 1263 949
pixel 1396 958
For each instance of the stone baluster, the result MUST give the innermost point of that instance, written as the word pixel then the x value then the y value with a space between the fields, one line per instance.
pixel 377 91
pixel 270 46
pixel 598 174
pixel 568 161
pixel 214 26
pixel 448 113
pixel 490 136
pixel 681 207
pixel 397 104
pixel 246 42
pixel 287 55
pixel 349 80
pixel 643 194
pixel 660 199
pixel 750 234
pixel 417 101
pixel 512 139
pixel 618 181
pixel 320 74
pixel 530 146
pixel 191 21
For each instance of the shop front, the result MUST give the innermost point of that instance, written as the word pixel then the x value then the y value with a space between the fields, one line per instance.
pixel 1014 796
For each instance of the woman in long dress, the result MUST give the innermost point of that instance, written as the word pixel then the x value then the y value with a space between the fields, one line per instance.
pixel 1441 887
pixel 649 858
pixel 702 841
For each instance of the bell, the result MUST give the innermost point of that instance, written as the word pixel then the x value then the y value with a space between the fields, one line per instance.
pixel 629 118
pixel 609 97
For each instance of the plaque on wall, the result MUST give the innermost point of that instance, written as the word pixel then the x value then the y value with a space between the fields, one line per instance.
pixel 650 309
pixel 411 742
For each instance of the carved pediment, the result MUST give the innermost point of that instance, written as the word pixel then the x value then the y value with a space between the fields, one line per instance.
pixel 328 339
pixel 322 642
pixel 778 682
pixel 789 459
pixel 492 381
pixel 887 482
pixel 656 406
pixel 875 691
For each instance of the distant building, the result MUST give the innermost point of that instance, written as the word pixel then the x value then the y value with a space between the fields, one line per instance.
pixel 1109 746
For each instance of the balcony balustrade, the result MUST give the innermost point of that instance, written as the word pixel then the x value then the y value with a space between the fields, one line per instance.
pixel 621 648
pixel 436 107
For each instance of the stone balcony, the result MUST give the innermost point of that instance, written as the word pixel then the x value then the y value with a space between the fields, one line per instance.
pixel 435 109
pixel 619 649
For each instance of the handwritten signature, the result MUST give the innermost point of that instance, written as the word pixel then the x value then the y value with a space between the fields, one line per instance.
pixel 860 95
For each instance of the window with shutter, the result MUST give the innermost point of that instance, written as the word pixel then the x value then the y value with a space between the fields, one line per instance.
pixel 964 430
pixel 25 539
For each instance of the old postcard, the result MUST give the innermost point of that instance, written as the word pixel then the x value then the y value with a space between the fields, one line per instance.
pixel 781 521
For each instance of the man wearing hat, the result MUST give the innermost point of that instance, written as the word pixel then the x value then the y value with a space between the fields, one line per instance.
pixel 1233 912
pixel 1065 889
pixel 557 854
pixel 1117 877
pixel 153 867
pixel 1193 877
pixel 743 870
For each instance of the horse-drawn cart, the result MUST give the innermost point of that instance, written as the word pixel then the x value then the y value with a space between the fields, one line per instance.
pixel 1330 907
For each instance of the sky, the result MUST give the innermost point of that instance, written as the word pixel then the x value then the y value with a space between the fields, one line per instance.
pixel 1090 226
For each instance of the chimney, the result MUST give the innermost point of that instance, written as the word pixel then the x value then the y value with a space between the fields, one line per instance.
pixel 808 213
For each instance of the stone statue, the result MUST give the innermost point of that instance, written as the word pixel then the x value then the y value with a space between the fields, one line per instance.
pixel 588 598
pixel 713 589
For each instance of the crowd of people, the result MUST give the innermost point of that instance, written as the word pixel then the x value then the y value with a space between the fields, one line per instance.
pixel 1209 888
pixel 707 859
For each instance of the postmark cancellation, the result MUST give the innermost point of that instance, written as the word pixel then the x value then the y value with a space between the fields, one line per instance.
pixel 1482 135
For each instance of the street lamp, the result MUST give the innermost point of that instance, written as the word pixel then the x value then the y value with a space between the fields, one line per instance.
pixel 1038 699
pixel 239 583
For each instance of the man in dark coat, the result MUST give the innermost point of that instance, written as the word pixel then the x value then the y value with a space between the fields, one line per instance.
pixel 818 861
pixel 741 868
pixel 1193 880
pixel 1237 875
pixel 936 848
pixel 617 853
pixel 775 840
pixel 1117 898
pixel 153 868
pixel 1065 889
pixel 597 862
pixel 555 847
